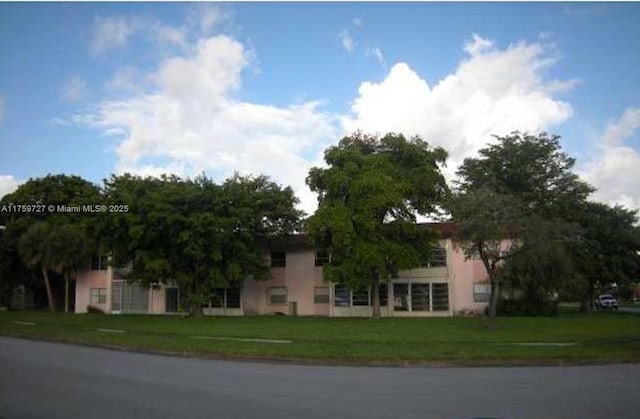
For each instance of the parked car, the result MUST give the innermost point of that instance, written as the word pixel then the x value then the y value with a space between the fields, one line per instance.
pixel 606 301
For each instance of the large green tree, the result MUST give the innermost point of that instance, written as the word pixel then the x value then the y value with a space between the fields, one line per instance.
pixel 194 232
pixel 512 198
pixel 608 251
pixel 49 240
pixel 368 198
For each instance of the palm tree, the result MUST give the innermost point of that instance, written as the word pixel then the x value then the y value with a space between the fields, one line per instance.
pixel 35 248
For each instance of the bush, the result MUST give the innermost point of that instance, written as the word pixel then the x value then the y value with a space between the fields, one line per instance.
pixel 95 310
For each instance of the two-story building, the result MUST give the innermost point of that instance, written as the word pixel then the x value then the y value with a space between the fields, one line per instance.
pixel 450 285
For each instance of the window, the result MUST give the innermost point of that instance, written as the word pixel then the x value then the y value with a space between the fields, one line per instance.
pixel 419 297
pixel 277 295
pixel 321 295
pixel 99 263
pixel 383 290
pixel 322 258
pixel 438 257
pixel 440 297
pixel 278 259
pixel 233 297
pixel 342 296
pixel 401 297
pixel 481 292
pixel 98 295
pixel 225 298
pixel 360 297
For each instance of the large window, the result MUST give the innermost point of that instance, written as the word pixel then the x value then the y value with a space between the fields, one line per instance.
pixel 342 296
pixel 277 295
pixel 401 297
pixel 98 295
pixel 345 297
pixel 99 263
pixel 419 297
pixel 225 298
pixel 278 259
pixel 440 297
pixel 321 295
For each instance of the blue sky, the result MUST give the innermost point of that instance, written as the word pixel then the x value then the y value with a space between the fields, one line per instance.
pixel 92 89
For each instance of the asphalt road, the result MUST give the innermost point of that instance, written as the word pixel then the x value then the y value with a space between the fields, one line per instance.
pixel 48 380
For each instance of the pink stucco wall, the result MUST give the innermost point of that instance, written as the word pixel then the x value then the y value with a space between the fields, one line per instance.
pixel 463 273
pixel 300 277
pixel 88 279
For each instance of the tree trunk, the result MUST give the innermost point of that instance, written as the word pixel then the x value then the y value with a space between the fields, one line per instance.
pixel 493 300
pixel 66 293
pixel 47 285
pixel 375 297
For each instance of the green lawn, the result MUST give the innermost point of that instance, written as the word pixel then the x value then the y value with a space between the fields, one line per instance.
pixel 594 337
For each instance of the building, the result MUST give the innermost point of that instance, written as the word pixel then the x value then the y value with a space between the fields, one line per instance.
pixel 449 286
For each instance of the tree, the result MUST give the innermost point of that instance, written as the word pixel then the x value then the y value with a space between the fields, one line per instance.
pixel 196 233
pixel 367 201
pixel 608 251
pixel 513 198
pixel 41 237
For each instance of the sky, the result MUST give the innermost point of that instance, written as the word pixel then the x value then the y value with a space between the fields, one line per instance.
pixel 264 88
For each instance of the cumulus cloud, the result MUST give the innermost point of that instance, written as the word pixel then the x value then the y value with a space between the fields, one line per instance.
pixel 492 91
pixel 8 184
pixel 188 121
pixel 614 169
pixel 346 40
pixel 74 89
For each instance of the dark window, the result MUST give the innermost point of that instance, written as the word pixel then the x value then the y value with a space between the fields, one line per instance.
pixel 217 298
pixel 322 258
pixel 419 297
pixel 99 263
pixel 361 297
pixel 440 298
pixel 233 297
pixel 278 259
pixel 438 257
pixel 342 296
pixel 401 297
pixel 384 294
pixel 321 295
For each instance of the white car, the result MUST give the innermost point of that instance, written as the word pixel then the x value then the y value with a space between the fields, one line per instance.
pixel 606 301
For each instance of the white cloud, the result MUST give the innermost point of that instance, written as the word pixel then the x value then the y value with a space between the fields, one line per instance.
pixel 346 40
pixel 126 79
pixel 113 32
pixel 2 107
pixel 189 121
pixel 8 184
pixel 492 91
pixel 357 22
pixel 614 169
pixel 74 89
pixel 375 53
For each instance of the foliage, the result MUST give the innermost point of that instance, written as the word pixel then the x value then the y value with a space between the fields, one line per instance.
pixel 50 241
pixel 194 232
pixel 608 250
pixel 512 199
pixel 367 201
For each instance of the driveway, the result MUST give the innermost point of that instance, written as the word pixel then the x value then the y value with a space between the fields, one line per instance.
pixel 40 379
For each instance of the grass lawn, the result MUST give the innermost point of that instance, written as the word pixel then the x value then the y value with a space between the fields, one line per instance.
pixel 568 338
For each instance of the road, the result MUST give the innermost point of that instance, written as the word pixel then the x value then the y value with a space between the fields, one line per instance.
pixel 40 379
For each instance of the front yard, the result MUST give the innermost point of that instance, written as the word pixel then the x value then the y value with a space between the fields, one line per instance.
pixel 569 338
